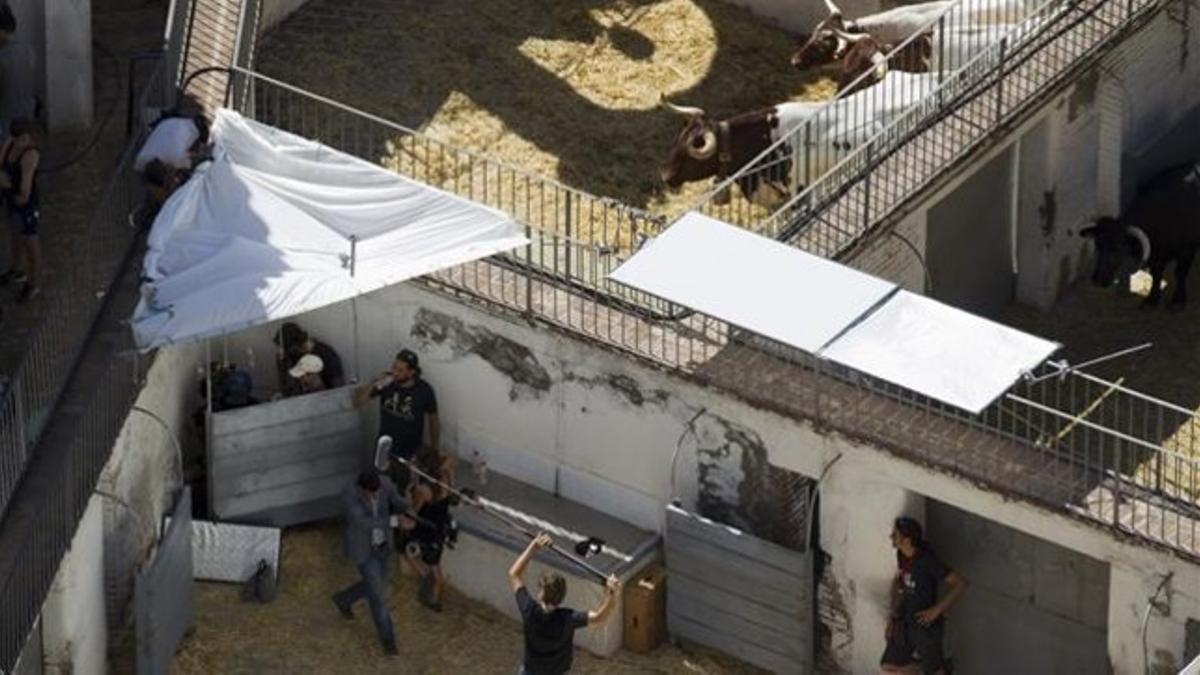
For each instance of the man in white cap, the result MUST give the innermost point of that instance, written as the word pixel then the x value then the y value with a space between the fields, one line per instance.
pixel 305 376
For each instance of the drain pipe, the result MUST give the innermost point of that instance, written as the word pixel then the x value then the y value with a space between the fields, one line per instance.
pixel 690 427
pixel 1163 607
pixel 812 501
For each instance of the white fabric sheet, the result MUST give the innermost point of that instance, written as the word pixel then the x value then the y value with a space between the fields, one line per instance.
pixel 263 232
pixel 943 352
pixel 834 312
pixel 752 282
pixel 169 141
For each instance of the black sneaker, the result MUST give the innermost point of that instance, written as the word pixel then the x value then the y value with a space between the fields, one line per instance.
pixel 342 609
pixel 28 292
pixel 389 648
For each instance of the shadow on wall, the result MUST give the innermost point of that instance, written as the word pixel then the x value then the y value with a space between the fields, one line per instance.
pixel 577 79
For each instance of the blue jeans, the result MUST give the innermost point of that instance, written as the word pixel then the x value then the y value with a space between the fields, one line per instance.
pixel 373 587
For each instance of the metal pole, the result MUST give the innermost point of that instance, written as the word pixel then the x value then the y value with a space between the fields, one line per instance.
pixel 208 413
pixel 486 505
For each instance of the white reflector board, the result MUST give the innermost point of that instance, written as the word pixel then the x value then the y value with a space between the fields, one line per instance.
pixel 832 311
pixel 940 351
pixel 752 282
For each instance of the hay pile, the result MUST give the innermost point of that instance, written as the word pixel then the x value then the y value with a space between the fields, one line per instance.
pixel 567 89
pixel 301 631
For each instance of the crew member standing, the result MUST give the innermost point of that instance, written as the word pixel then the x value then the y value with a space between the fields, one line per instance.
pixel 406 403
pixel 916 628
pixel 367 505
pixel 550 629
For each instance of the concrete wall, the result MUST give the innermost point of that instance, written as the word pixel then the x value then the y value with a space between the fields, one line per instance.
pixel 273 12
pixel 142 472
pixel 600 428
pixel 74 628
pixel 1025 591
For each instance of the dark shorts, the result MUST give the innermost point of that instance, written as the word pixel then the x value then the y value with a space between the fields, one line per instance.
pixel 915 644
pixel 25 220
pixel 431 553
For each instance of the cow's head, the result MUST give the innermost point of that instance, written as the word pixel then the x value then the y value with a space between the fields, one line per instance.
pixel 864 54
pixel 823 45
pixel 694 154
pixel 1120 250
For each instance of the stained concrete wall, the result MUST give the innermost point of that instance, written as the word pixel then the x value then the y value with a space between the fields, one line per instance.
pixel 600 428
pixel 74 628
pixel 1023 591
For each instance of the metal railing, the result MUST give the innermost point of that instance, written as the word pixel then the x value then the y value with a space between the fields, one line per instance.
pixel 70 312
pixel 858 160
pixel 1106 452
pixel 840 213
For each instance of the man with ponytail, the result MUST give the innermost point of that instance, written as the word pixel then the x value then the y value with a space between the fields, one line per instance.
pixel 917 623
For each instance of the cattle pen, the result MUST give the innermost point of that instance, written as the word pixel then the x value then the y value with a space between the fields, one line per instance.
pixel 566 89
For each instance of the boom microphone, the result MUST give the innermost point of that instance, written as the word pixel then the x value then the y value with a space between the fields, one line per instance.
pixel 383 450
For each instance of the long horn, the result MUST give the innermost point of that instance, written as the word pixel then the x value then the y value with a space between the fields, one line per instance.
pixel 1142 239
pixel 705 151
pixel 833 9
pixel 686 111
pixel 849 37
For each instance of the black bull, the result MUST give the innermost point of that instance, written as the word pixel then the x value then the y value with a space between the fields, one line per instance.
pixel 1165 219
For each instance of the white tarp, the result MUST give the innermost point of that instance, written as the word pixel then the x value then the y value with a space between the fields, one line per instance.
pixel 940 351
pixel 265 231
pixel 754 283
pixel 833 312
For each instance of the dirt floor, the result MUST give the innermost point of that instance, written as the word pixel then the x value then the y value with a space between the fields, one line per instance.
pixel 301 631
pixel 565 88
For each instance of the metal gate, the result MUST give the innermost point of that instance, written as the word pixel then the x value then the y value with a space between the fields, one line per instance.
pixel 739 594
pixel 163 592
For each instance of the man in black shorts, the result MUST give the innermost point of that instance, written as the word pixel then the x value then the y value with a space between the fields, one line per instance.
pixel 430 535
pixel 406 402
pixel 550 629
pixel 917 624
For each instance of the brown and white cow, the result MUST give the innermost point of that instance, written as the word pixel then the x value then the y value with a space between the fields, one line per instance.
pixel 708 148
pixel 866 54
pixel 827 45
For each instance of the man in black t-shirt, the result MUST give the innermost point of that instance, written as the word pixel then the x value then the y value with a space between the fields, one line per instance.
pixel 406 402
pixel 916 625
pixel 550 629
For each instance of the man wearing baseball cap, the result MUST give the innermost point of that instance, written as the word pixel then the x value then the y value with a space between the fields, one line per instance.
pixel 306 376
pixel 406 402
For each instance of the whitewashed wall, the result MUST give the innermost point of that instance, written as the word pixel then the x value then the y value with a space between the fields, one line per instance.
pixel 74 628
pixel 142 473
pixel 599 428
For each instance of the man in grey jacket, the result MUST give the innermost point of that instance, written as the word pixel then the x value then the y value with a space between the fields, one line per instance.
pixel 369 543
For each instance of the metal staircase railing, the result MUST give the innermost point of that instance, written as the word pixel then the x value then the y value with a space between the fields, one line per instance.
pixel 843 211
pixel 855 167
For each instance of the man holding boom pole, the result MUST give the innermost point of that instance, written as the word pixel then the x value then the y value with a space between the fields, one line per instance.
pixel 550 629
